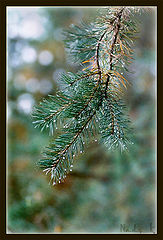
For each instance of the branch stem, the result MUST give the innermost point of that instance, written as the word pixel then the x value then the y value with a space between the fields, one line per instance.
pixel 75 137
pixel 113 42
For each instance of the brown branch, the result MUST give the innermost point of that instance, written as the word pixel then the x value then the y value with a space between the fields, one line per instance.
pixel 116 31
pixel 114 39
pixel 97 54
pixel 84 76
pixel 75 137
pixel 98 68
pixel 95 89
pixel 53 114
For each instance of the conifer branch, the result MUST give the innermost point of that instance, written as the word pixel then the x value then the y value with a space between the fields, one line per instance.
pixel 116 30
pixel 82 77
pixel 92 99
pixel 74 138
pixel 97 54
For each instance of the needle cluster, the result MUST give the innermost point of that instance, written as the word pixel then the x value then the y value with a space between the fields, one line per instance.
pixel 91 103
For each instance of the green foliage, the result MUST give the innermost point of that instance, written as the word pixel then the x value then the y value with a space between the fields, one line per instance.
pixel 105 189
pixel 114 111
pixel 91 100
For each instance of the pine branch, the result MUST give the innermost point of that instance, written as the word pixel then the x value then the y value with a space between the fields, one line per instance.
pixel 59 160
pixel 91 102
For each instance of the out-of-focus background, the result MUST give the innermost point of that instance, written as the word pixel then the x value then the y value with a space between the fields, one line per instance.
pixel 106 192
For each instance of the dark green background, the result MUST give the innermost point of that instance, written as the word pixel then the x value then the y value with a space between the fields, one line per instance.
pixel 106 192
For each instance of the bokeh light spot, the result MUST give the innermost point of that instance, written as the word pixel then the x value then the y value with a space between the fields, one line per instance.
pixel 45 58
pixel 25 103
pixel 45 86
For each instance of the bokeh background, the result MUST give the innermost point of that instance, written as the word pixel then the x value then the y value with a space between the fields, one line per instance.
pixel 105 190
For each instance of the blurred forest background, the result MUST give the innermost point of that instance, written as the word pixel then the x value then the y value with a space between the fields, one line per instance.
pixel 105 189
